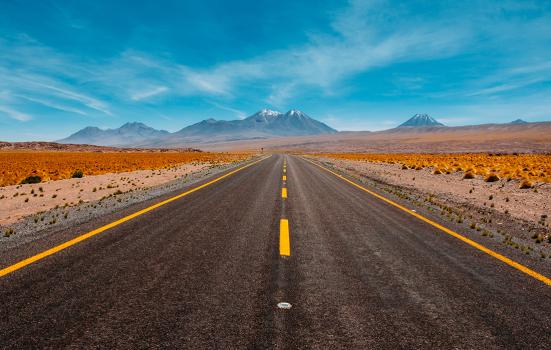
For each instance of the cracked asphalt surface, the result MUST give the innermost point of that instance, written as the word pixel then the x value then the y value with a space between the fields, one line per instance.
pixel 204 271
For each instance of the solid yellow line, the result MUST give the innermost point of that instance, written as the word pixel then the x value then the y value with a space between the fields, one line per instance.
pixel 284 242
pixel 284 192
pixel 284 178
pixel 470 242
pixel 58 248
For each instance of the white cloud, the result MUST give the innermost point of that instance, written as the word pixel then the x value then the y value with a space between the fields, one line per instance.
pixel 14 114
pixel 53 105
pixel 138 96
pixel 238 113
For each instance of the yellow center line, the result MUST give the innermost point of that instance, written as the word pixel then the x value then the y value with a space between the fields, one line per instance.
pixel 284 242
pixel 284 178
pixel 470 242
pixel 284 192
pixel 58 248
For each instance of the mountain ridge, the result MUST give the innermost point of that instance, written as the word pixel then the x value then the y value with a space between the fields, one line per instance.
pixel 263 124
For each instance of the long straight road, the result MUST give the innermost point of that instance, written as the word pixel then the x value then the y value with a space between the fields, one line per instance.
pixel 208 270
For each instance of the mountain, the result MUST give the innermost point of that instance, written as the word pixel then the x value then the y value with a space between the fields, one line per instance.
pixel 421 120
pixel 261 125
pixel 127 134
pixel 519 121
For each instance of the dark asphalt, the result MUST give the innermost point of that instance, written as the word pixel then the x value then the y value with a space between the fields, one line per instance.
pixel 205 272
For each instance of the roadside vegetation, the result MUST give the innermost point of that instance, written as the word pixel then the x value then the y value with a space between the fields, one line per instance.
pixel 24 167
pixel 528 168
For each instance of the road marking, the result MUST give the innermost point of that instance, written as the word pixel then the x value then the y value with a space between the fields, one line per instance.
pixel 284 192
pixel 284 178
pixel 284 170
pixel 58 248
pixel 284 244
pixel 470 242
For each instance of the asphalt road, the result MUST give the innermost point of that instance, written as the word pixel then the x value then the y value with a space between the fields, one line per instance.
pixel 205 271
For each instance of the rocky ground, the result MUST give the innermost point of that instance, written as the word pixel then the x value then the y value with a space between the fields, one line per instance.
pixel 55 205
pixel 498 210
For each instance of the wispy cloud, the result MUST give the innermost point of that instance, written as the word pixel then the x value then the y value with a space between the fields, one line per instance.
pixel 237 112
pixel 142 95
pixel 14 114
pixel 53 105
pixel 357 46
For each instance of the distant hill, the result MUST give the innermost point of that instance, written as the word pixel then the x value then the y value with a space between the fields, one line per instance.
pixel 261 125
pixel 127 135
pixel 519 121
pixel 68 147
pixel 491 138
pixel 421 120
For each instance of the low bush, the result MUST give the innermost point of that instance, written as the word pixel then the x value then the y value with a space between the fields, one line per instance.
pixel 526 184
pixel 33 179
pixel 77 174
pixel 491 178
pixel 468 175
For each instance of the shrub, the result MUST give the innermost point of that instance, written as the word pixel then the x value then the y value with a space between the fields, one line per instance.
pixel 468 175
pixel 526 184
pixel 77 174
pixel 9 232
pixel 33 179
pixel 437 171
pixel 491 178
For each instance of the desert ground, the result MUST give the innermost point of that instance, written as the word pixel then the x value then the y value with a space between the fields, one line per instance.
pixel 499 209
pixel 108 174
pixel 527 138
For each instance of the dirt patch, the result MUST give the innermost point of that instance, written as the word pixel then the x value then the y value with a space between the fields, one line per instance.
pixel 22 200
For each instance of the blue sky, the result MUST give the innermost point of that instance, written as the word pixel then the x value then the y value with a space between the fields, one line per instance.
pixel 358 65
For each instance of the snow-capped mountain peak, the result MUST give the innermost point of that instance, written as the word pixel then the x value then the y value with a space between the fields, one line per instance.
pixel 419 120
pixel 269 112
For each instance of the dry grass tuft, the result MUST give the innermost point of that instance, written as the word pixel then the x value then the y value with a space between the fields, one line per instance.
pixel 526 184
pixel 533 167
pixel 491 178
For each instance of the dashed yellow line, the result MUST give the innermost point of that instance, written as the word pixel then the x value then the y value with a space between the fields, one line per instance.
pixel 284 178
pixel 284 192
pixel 470 242
pixel 7 270
pixel 284 242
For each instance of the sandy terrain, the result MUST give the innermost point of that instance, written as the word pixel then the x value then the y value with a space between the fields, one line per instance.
pixel 500 206
pixel 22 200
pixel 522 203
pixel 507 138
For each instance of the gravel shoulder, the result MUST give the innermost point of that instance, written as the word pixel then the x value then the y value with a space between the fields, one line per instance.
pixel 72 202
pixel 500 211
